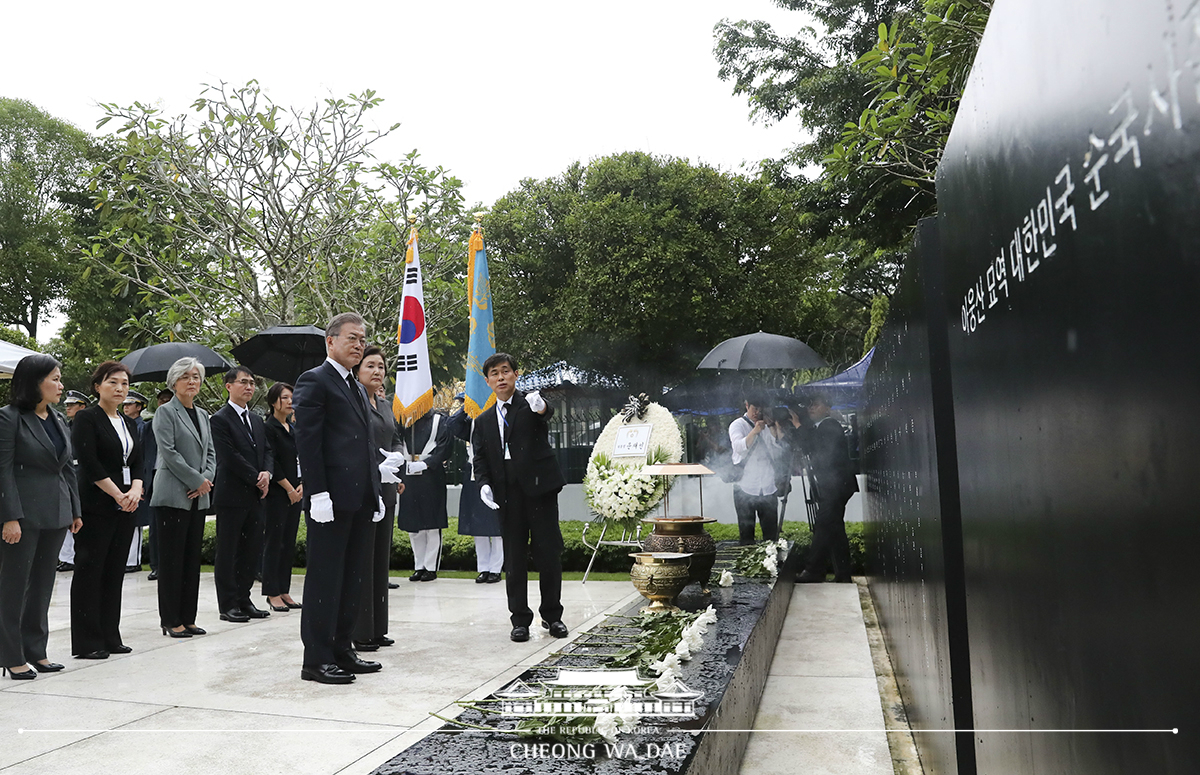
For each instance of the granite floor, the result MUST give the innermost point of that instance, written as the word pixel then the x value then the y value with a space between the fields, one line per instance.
pixel 820 712
pixel 232 702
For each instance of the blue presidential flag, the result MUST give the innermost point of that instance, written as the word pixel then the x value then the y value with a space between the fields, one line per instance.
pixel 482 343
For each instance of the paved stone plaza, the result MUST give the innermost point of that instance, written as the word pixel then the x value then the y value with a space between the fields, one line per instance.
pixel 232 702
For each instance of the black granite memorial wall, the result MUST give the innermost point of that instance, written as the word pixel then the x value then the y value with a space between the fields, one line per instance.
pixel 1070 250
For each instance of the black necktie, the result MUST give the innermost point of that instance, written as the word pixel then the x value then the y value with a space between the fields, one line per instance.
pixel 249 428
pixel 353 383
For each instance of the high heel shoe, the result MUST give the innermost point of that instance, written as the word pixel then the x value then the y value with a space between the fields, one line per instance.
pixel 293 605
pixel 49 667
pixel 277 608
pixel 25 675
pixel 176 633
pixel 194 630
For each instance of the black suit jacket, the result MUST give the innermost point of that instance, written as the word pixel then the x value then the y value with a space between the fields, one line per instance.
pixel 333 439
pixel 37 486
pixel 829 459
pixel 283 449
pixel 533 459
pixel 98 449
pixel 238 460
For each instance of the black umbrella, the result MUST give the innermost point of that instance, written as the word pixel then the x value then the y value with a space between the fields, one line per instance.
pixel 283 353
pixel 762 351
pixel 150 364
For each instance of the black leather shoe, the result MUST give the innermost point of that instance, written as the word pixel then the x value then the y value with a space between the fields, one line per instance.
pixel 63 567
pixel 293 606
pixel 365 645
pixel 97 654
pixel 133 568
pixel 493 578
pixel 393 585
pixel 153 576
pixel 557 629
pixel 416 575
pixel 279 608
pixel 24 675
pixel 806 577
pixel 352 664
pixel 234 615
pixel 384 640
pixel 519 634
pixel 49 667
pixel 176 633
pixel 194 630
pixel 122 649
pixel 482 577
pixel 326 674
pixel 428 575
pixel 254 613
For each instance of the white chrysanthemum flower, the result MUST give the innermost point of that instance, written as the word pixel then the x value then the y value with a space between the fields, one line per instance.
pixel 770 565
pixel 607 726
pixel 708 617
pixel 693 639
pixel 668 664
pixel 782 544
pixel 682 650
pixel 726 579
pixel 667 680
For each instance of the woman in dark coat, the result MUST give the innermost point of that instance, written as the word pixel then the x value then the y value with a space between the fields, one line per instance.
pixel 281 508
pixel 370 630
pixel 474 518
pixel 39 502
pixel 110 487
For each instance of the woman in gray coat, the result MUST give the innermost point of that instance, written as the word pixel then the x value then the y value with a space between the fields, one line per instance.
pixel 186 467
pixel 39 502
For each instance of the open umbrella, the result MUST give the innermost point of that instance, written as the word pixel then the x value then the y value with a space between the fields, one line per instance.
pixel 150 364
pixel 283 353
pixel 762 351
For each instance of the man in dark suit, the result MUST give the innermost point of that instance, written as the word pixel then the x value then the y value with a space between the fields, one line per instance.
pixel 519 476
pixel 244 467
pixel 342 486
pixel 833 484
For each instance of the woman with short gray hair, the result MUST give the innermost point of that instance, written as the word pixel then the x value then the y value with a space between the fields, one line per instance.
pixel 186 467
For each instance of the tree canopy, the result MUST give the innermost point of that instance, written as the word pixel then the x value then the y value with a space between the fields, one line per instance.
pixel 41 159
pixel 635 265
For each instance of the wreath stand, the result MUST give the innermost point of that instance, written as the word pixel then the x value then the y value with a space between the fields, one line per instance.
pixel 630 537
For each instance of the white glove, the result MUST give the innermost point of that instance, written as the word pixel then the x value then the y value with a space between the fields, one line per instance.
pixel 387 473
pixel 378 515
pixel 393 459
pixel 536 402
pixel 320 507
pixel 416 468
pixel 485 495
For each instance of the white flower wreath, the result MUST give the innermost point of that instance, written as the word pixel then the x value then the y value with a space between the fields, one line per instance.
pixel 614 488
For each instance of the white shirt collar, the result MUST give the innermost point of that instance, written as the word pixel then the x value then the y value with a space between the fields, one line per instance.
pixel 241 410
pixel 342 370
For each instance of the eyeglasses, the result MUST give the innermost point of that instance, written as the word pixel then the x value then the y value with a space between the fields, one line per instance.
pixel 354 339
pixel 245 382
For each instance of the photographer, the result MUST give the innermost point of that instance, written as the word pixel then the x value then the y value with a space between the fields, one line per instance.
pixel 757 450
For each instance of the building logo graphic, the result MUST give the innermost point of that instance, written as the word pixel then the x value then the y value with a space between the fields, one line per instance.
pixel 577 692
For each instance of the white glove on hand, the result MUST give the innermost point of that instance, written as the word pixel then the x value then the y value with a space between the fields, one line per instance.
pixel 393 459
pixel 388 473
pixel 320 507
pixel 536 402
pixel 485 495
pixel 416 468
pixel 378 515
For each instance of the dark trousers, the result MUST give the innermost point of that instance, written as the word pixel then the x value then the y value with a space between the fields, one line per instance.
pixel 180 533
pixel 101 548
pixel 372 619
pixel 764 508
pixel 281 521
pixel 829 538
pixel 26 586
pixel 152 541
pixel 529 526
pixel 332 581
pixel 239 548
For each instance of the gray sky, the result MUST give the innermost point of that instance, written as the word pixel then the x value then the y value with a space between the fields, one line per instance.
pixel 494 92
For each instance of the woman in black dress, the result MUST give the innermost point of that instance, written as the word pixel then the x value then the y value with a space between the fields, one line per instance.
pixel 281 508
pixel 110 488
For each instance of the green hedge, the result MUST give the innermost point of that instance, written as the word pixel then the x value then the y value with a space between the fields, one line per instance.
pixel 458 551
